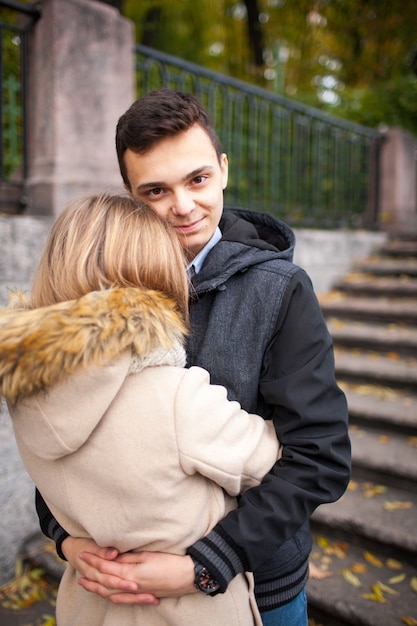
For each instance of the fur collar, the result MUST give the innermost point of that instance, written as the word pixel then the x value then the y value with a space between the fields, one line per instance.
pixel 39 347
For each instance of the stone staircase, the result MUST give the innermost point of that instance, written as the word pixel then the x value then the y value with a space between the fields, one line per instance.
pixel 364 560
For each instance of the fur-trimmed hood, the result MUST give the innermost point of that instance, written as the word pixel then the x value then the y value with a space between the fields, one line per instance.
pixel 39 347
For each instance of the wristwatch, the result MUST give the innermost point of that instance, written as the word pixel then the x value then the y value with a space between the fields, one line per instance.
pixel 204 581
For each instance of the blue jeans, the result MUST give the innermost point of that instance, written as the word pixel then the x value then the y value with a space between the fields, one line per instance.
pixel 292 614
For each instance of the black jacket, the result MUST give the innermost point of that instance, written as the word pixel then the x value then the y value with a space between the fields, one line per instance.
pixel 258 329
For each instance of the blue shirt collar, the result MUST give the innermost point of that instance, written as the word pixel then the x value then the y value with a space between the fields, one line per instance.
pixel 197 262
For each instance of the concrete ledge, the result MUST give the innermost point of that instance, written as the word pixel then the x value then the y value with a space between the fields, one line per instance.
pixel 328 255
pixel 325 255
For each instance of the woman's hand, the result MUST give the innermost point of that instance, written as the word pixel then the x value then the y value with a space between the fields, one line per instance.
pixel 88 559
pixel 154 574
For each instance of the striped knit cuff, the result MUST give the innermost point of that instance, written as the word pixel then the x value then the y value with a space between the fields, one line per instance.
pixel 222 557
pixel 275 591
pixel 57 534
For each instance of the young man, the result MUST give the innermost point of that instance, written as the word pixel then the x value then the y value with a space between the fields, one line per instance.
pixel 256 326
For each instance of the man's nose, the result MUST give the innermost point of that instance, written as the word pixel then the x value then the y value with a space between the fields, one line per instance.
pixel 183 203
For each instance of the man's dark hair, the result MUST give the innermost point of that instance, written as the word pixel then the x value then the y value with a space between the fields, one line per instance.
pixel 156 115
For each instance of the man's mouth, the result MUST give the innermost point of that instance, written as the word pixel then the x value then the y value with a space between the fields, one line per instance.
pixel 189 228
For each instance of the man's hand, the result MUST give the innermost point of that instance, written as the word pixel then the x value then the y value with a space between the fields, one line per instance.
pixel 154 574
pixel 78 549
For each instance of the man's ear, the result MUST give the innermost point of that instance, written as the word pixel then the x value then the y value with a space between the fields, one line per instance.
pixel 224 166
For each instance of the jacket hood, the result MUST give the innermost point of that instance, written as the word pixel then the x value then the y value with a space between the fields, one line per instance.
pixel 260 230
pixel 248 238
pixel 39 347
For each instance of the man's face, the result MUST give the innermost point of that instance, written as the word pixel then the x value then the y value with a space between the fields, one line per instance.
pixel 182 179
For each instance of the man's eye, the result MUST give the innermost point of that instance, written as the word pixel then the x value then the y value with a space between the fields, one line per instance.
pixel 199 179
pixel 155 192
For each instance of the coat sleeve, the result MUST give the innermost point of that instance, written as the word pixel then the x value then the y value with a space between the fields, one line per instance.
pixel 218 439
pixel 311 420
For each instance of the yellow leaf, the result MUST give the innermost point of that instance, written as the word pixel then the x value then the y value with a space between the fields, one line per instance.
pixel 317 573
pixel 396 579
pixel 353 485
pixel 413 583
pixel 388 590
pixel 359 568
pixel 396 505
pixel 378 592
pixel 394 564
pixel 409 621
pixel 370 490
pixel 372 559
pixel 322 542
pixel 351 578
pixel 374 597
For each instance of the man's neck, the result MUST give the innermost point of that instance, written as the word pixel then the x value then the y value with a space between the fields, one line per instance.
pixel 198 261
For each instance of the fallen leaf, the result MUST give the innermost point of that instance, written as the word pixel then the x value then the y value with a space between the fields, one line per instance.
pixel 322 542
pixel 351 578
pixel 317 573
pixel 396 579
pixel 384 439
pixel 374 597
pixel 359 568
pixel 413 583
pixel 409 621
pixel 372 559
pixel 396 505
pixel 370 490
pixel 388 590
pixel 394 564
pixel 378 592
pixel 338 549
pixel 353 485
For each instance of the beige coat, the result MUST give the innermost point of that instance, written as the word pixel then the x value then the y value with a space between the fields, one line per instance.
pixel 136 452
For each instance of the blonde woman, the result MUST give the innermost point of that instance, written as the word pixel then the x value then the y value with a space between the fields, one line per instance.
pixel 125 444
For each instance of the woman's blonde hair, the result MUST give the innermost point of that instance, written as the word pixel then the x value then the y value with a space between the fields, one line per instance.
pixel 107 240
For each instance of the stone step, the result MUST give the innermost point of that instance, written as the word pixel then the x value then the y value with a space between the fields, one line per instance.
pixel 342 573
pixel 386 456
pixel 378 406
pixel 378 516
pixel 400 248
pixel 371 367
pixel 374 309
pixel 399 338
pixel 382 266
pixel 368 284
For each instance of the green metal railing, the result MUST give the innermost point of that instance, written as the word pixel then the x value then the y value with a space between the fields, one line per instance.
pixel 294 161
pixel 13 129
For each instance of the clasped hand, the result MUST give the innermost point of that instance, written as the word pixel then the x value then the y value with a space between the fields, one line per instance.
pixel 132 577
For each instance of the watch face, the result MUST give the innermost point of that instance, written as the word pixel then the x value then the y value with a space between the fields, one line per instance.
pixel 204 581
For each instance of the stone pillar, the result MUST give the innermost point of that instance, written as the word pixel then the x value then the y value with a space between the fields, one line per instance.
pixel 398 182
pixel 81 79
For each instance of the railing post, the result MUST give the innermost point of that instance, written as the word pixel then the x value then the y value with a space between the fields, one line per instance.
pixel 371 217
pixel 80 80
pixel 398 182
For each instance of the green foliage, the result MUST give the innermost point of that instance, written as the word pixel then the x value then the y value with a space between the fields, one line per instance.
pixel 351 57
pixel 392 104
